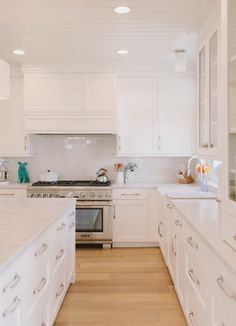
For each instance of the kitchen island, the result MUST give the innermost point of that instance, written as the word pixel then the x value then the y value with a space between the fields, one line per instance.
pixel 37 259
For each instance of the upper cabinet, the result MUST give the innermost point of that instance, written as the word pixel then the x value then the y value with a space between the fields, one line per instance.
pixel 208 96
pixel 13 139
pixel 156 116
pixel 4 80
pixel 70 103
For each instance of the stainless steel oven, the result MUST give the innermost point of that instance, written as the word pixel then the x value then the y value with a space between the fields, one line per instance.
pixel 94 221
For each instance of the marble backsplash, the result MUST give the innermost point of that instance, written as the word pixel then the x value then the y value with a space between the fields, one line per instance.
pixel 79 157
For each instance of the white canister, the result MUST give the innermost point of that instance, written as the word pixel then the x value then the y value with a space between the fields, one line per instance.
pixel 129 177
pixel 120 177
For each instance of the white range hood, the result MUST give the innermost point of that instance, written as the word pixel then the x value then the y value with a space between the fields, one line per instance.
pixel 4 79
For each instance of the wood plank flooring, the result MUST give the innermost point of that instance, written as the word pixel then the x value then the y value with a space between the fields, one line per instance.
pixel 121 287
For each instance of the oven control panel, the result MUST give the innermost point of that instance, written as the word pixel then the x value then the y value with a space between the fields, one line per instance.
pixel 103 194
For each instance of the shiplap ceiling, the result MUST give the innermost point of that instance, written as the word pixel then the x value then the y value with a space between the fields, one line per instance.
pixel 88 31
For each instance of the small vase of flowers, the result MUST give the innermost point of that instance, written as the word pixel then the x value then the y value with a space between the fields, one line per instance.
pixel 203 171
pixel 130 172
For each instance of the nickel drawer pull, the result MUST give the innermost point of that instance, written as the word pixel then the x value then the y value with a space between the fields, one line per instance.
pixel 220 282
pixel 172 246
pixel 159 229
pixel 169 206
pixel 130 194
pixel 13 306
pixel 61 227
pixel 40 286
pixel 60 254
pixel 178 223
pixel 191 315
pixel 41 250
pixel 192 243
pixel 7 194
pixel 62 286
pixel 72 225
pixel 12 283
pixel 193 277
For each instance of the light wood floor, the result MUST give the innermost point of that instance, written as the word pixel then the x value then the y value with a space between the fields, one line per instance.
pixel 121 287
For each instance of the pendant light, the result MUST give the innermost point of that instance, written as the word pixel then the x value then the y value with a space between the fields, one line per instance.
pixel 180 60
pixel 4 80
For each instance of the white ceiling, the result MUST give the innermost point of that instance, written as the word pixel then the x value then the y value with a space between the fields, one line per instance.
pixel 88 31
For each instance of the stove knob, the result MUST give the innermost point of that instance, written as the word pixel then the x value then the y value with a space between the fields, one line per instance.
pixel 108 194
pixel 82 195
pixel 69 195
pixel 44 195
pixel 38 195
pixel 92 194
pixel 50 195
pixel 31 195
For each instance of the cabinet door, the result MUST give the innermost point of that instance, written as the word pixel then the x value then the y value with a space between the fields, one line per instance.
pixel 131 221
pixel 177 109
pixel 208 99
pixel 13 140
pixel 137 109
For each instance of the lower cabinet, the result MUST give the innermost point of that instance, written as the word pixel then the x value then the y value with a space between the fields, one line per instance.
pixel 205 286
pixel 33 287
pixel 134 222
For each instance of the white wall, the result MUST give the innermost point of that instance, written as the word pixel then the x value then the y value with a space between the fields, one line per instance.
pixel 86 156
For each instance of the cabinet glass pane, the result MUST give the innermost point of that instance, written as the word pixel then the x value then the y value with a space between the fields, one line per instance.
pixel 232 100
pixel 203 118
pixel 213 91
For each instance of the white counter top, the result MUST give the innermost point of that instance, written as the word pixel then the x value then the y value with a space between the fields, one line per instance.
pixel 23 220
pixel 14 185
pixel 204 216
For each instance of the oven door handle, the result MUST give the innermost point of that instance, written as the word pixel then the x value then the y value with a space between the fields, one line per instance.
pixel 93 206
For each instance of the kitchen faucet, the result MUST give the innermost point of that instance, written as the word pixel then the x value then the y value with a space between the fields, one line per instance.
pixel 189 164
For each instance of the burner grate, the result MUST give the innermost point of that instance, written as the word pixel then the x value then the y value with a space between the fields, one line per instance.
pixel 72 183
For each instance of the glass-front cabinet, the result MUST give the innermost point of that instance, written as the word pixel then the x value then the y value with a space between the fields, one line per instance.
pixel 228 49
pixel 232 99
pixel 208 103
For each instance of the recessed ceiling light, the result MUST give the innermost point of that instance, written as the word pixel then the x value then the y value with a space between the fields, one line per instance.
pixel 123 52
pixel 19 52
pixel 122 10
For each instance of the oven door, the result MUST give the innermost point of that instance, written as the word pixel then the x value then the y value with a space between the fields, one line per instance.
pixel 93 221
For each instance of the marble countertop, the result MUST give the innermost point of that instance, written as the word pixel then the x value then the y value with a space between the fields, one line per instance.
pixel 161 186
pixel 23 220
pixel 204 216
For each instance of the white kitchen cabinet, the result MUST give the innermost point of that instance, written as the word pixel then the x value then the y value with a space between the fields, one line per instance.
pixel 137 120
pixel 209 128
pixel 228 52
pixel 70 103
pixel 152 123
pixel 177 116
pixel 34 285
pixel 163 230
pixel 13 138
pixel 135 217
pixel 16 193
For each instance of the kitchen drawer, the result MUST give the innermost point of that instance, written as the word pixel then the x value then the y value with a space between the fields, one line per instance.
pixel 195 313
pixel 223 295
pixel 229 229
pixel 60 229
pixel 195 246
pixel 58 290
pixel 39 316
pixel 11 312
pixel 39 252
pixel 36 286
pixel 59 253
pixel 7 193
pixel 130 194
pixel 11 283
pixel 197 275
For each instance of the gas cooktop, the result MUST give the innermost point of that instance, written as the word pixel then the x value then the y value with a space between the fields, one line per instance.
pixel 72 183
